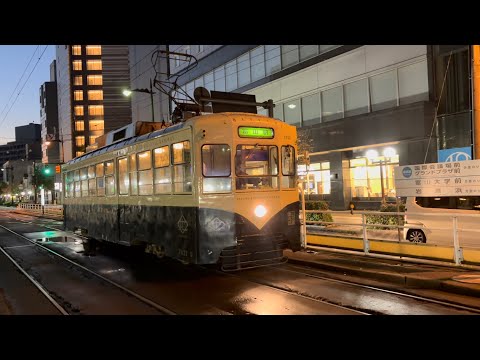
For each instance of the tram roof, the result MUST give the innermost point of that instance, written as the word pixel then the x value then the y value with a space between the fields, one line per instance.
pixel 129 141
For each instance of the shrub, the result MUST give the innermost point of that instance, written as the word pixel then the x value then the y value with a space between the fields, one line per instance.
pixel 387 219
pixel 318 205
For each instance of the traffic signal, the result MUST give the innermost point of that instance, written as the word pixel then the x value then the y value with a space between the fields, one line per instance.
pixel 57 169
pixel 47 170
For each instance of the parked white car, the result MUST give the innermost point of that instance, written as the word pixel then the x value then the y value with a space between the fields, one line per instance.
pixel 422 225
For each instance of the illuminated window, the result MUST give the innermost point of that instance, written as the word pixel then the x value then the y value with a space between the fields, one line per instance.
pixel 79 126
pixel 95 94
pixel 317 180
pixel 79 153
pixel 163 178
pixel 94 79
pixel 78 95
pixel 94 64
pixel 77 80
pixel 94 125
pixel 76 50
pixel 80 141
pixel 366 176
pixel 77 64
pixel 182 170
pixel 133 175
pixel 78 110
pixel 109 168
pixel 123 182
pixel 95 109
pixel 92 139
pixel 94 49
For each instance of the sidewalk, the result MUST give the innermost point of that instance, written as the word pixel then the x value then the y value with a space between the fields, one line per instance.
pixel 450 279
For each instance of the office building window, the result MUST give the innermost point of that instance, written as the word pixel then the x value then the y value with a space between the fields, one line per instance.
pixel 317 179
pixel 243 63
pixel 413 83
pixel 94 80
pixel 198 82
pixel 231 75
pixel 311 109
pixel 356 97
pixel 76 50
pixel 92 139
pixel 332 104
pixel 79 126
pixel 289 55
pixel 77 64
pixel 95 125
pixel 278 111
pixel 257 61
pixel 293 112
pixel 77 80
pixel 79 140
pixel 79 153
pixel 219 76
pixel 95 109
pixel 94 64
pixel 209 83
pixel 78 95
pixel 94 50
pixel 308 51
pixel 383 90
pixel 78 110
pixel 272 59
pixel 95 94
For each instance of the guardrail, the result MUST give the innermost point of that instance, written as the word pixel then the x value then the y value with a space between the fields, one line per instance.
pixel 458 250
pixel 55 210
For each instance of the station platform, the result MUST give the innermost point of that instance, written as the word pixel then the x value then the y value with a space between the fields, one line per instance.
pixel 410 274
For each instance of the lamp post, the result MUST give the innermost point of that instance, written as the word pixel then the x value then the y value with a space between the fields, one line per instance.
pixel 128 92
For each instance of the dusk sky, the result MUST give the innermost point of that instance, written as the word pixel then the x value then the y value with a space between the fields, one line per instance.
pixel 24 97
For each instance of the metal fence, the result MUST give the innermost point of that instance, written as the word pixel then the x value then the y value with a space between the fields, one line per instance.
pixel 51 210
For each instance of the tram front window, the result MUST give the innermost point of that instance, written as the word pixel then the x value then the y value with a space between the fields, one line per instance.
pixel 256 167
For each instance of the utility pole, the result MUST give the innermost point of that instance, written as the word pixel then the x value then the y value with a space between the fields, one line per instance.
pixel 34 183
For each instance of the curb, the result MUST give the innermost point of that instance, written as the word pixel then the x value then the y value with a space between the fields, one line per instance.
pixel 412 280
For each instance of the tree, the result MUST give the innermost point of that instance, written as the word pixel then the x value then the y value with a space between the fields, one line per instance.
pixel 304 145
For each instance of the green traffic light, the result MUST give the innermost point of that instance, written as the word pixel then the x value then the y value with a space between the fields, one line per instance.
pixel 47 171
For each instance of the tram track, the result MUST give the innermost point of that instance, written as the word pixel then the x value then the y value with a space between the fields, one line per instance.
pixel 62 309
pixel 312 273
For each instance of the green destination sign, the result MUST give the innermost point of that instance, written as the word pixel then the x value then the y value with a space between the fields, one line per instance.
pixel 255 132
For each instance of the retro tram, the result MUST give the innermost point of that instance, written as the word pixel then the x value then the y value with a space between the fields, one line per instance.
pixel 217 188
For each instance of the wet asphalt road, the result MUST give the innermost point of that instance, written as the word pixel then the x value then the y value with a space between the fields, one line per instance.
pixel 196 290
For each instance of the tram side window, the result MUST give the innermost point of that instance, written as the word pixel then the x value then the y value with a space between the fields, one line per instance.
pixel 163 176
pixel 133 175
pixel 182 167
pixel 76 179
pixel 100 180
pixel 84 181
pixel 122 176
pixel 145 178
pixel 69 186
pixel 216 168
pixel 92 184
pixel 288 167
pixel 109 178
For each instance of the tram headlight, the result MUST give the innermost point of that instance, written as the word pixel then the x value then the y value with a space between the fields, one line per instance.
pixel 260 211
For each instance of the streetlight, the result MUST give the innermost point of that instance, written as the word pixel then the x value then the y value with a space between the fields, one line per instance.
pixel 50 141
pixel 128 92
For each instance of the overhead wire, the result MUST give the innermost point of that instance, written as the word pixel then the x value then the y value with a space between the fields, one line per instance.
pixel 21 77
pixel 26 81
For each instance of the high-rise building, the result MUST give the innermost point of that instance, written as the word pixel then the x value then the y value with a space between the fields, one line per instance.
pixel 90 80
pixel 26 145
pixel 51 144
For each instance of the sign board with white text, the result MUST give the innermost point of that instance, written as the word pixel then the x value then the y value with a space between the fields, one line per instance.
pixel 460 178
